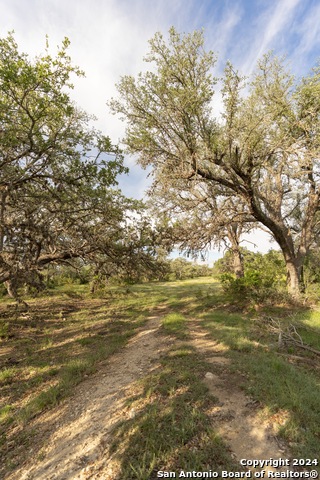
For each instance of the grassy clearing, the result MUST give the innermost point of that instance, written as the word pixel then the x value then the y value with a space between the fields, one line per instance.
pixel 62 339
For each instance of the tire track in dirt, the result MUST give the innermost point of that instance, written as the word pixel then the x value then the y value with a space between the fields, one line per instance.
pixel 236 417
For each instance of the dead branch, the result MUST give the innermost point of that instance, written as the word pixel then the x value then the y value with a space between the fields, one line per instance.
pixel 288 335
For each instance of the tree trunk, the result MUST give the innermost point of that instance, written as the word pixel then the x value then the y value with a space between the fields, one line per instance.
pixel 294 259
pixel 237 263
pixel 294 271
pixel 234 233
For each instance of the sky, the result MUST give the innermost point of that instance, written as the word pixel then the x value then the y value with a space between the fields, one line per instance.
pixel 109 39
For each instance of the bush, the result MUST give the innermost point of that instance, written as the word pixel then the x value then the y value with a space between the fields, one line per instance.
pixel 252 287
pixel 264 277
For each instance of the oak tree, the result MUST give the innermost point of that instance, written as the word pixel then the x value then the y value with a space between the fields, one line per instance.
pixel 264 152
pixel 58 190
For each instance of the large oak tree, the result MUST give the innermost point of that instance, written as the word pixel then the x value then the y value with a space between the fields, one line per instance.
pixel 264 152
pixel 58 193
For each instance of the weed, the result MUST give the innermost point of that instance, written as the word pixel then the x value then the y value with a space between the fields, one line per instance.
pixel 5 413
pixel 4 329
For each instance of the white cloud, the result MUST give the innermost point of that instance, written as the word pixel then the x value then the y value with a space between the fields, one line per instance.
pixel 308 30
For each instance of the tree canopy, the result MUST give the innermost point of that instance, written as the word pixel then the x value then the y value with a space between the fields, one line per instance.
pixel 58 190
pixel 264 153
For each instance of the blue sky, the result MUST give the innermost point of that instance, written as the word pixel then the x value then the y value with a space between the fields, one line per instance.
pixel 110 37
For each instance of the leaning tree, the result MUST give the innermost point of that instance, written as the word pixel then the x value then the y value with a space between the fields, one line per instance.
pixel 264 151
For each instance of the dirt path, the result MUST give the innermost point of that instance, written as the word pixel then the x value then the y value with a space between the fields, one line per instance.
pixel 75 436
pixel 237 418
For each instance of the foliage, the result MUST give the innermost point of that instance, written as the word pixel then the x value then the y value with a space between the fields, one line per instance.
pixel 181 269
pixel 311 271
pixel 159 268
pixel 264 154
pixel 264 275
pixel 58 196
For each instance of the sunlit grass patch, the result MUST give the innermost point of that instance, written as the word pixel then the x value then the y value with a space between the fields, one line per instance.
pixel 7 375
pixel 44 400
pixel 308 326
pixel 5 413
pixel 175 324
pixel 233 330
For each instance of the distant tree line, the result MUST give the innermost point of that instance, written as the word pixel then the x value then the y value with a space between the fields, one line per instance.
pixel 167 270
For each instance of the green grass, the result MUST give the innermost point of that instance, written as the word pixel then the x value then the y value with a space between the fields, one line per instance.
pixel 285 382
pixel 64 336
pixel 57 343
pixel 7 375
pixel 5 412
pixel 171 430
pixel 292 392
pixel 174 324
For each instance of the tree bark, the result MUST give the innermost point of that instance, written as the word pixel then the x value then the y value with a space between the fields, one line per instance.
pixel 237 263
pixel 234 233
pixel 293 278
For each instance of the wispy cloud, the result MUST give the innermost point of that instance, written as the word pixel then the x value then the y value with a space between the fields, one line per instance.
pixel 220 33
pixel 269 28
pixel 308 45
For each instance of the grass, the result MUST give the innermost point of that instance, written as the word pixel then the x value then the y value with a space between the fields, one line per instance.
pixel 289 394
pixel 285 382
pixel 5 412
pixel 64 336
pixel 172 430
pixel 7 375
pixel 174 324
pixel 53 346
